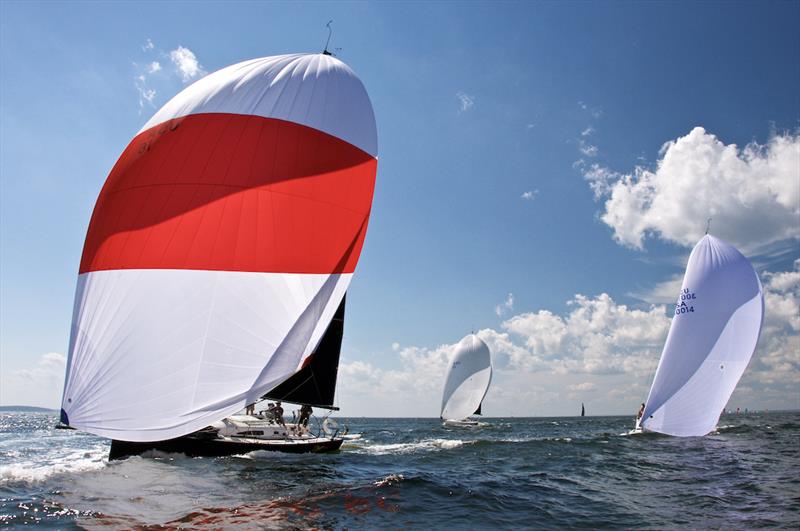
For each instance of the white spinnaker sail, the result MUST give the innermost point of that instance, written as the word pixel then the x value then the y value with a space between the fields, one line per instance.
pixel 220 247
pixel 713 335
pixel 468 377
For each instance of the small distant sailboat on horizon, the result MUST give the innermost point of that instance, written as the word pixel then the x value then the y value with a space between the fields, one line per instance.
pixel 583 410
pixel 469 375
pixel 713 335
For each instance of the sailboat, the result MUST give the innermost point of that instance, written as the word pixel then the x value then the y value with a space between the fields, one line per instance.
pixel 583 410
pixel 468 377
pixel 713 335
pixel 217 260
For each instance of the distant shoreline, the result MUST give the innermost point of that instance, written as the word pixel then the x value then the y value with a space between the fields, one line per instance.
pixel 27 409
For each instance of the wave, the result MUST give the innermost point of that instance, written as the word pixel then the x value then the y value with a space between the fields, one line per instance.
pixel 389 480
pixel 427 445
pixel 76 461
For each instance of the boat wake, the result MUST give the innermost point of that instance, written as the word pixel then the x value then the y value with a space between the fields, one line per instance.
pixel 425 445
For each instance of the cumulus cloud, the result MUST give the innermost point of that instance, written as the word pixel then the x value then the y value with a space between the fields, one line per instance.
pixel 597 336
pixel 415 386
pixel 465 101
pixel 505 306
pixel 530 195
pixel 545 361
pixel 148 45
pixel 186 63
pixel 752 193
pixel 775 368
pixel 153 67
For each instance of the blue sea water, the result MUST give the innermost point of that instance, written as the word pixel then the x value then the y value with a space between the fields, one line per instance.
pixel 416 473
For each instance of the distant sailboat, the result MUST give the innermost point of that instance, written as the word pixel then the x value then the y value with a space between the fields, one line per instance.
pixel 468 377
pixel 713 335
pixel 583 410
pixel 217 260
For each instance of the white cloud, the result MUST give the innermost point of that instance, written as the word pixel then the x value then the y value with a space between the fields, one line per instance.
pixel 600 178
pixel 665 292
pixel 530 195
pixel 465 101
pixel 546 362
pixel 598 336
pixel 186 63
pixel 148 45
pixel 588 149
pixel 752 194
pixel 413 388
pixel 583 387
pixel 39 385
pixel 775 369
pixel 153 67
pixel 596 112
pixel 588 131
pixel 505 306
pixel 395 346
pixel 147 95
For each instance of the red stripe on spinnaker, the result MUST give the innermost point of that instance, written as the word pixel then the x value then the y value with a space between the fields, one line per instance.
pixel 233 192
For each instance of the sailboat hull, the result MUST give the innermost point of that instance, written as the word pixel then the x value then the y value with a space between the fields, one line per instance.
pixel 194 446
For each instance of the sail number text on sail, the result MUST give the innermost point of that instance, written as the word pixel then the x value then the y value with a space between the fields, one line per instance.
pixel 682 306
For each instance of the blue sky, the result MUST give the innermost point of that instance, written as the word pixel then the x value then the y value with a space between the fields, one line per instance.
pixel 476 104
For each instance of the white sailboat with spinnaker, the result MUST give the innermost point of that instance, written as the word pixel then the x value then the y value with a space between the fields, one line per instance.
pixel 469 375
pixel 717 322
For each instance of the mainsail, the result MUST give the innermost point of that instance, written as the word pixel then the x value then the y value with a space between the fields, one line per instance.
pixel 468 377
pixel 315 383
pixel 220 247
pixel 713 335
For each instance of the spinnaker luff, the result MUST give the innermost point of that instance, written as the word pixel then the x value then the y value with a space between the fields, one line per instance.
pixel 220 247
pixel 713 335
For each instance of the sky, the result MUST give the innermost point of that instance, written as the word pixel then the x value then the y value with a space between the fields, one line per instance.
pixel 544 171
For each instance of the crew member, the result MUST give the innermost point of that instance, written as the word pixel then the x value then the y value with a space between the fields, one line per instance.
pixel 305 414
pixel 641 412
pixel 278 412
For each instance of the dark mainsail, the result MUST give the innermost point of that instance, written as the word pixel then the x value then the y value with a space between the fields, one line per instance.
pixel 315 383
pixel 478 411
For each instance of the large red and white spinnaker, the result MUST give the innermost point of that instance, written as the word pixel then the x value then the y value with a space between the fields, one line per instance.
pixel 220 247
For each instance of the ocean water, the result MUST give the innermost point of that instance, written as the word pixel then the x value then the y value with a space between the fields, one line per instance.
pixel 416 473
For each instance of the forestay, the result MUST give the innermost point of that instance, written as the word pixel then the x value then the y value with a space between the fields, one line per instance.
pixel 220 247
pixel 713 335
pixel 468 377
